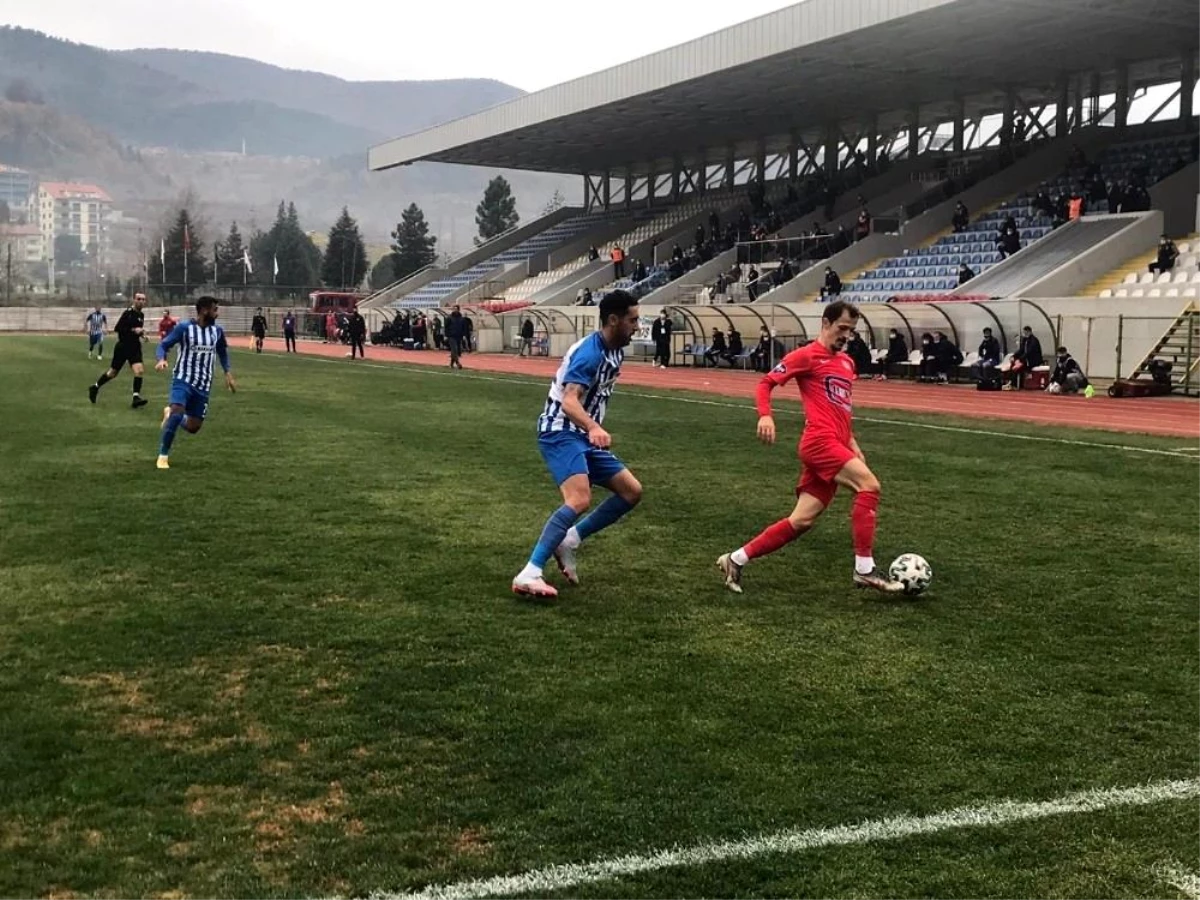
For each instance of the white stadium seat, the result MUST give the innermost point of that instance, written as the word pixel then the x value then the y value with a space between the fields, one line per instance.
pixel 1121 292
pixel 1106 293
pixel 1131 278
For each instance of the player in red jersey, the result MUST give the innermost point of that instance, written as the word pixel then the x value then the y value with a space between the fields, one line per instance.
pixel 829 454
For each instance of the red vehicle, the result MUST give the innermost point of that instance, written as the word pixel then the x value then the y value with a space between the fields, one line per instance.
pixel 334 301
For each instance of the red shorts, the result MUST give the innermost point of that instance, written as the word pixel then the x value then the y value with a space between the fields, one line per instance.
pixel 820 461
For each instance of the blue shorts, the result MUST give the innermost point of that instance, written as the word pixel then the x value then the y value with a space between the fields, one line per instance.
pixel 193 401
pixel 94 339
pixel 568 453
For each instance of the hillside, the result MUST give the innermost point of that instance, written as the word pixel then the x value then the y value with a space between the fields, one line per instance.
pixel 207 101
pixel 388 108
pixel 148 125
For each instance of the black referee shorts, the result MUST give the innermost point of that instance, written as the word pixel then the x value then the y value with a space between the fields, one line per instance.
pixel 125 353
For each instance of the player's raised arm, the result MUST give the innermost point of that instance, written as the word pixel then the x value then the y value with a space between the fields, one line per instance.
pixel 789 367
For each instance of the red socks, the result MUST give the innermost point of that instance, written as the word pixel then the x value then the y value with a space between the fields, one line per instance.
pixel 862 522
pixel 773 537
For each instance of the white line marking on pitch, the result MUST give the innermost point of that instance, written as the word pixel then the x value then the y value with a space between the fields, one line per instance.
pixel 1187 883
pixel 418 368
pixel 555 878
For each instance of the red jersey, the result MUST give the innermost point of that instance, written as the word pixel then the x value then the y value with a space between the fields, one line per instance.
pixel 165 326
pixel 826 380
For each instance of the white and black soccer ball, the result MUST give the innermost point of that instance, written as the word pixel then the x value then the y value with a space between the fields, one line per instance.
pixel 912 571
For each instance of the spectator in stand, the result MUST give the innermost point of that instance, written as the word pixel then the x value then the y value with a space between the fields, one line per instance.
pixel 588 300
pixel 862 228
pixel 593 254
pixel 1075 205
pixel 752 286
pixel 927 369
pixel 716 350
pixel 965 274
pixel 1067 376
pixel 1116 197
pixel 677 253
pixel 961 218
pixel 660 333
pixel 897 354
pixel 699 236
pixel 832 286
pixel 1043 204
pixel 949 357
pixel 1167 254
pixel 1027 357
pixel 1077 159
pixel 1008 241
pixel 714 223
pixel 618 261
pixel 639 270
pixel 989 357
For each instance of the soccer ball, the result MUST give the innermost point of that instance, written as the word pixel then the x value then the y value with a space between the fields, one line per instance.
pixel 911 571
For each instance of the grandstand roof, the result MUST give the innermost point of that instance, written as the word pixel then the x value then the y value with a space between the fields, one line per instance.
pixel 802 67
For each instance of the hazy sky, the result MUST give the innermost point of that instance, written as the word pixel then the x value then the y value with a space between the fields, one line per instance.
pixel 528 43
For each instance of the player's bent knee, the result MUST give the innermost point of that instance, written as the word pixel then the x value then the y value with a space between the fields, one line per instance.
pixel 631 492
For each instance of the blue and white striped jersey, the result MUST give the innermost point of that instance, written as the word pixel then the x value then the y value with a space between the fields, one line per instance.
pixel 589 363
pixel 96 322
pixel 198 344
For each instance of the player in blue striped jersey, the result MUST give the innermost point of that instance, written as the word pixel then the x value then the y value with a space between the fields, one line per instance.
pixel 199 341
pixel 575 446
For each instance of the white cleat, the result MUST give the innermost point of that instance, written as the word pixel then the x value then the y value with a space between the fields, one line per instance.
pixel 877 581
pixel 732 572
pixel 162 463
pixel 565 557
pixel 533 587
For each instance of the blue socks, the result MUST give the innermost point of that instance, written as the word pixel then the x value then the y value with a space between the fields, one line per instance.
pixel 168 433
pixel 556 529
pixel 607 513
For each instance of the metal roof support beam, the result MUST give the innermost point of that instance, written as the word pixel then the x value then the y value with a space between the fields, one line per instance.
pixel 1154 115
pixel 1122 96
pixel 676 170
pixel 760 161
pixel 1010 105
pixel 606 190
pixel 914 131
pixel 651 187
pixel 1188 87
pixel 1035 119
pixel 960 126
pixel 731 171
pixel 873 140
pixel 593 192
pixel 1062 107
pixel 628 189
pixel 793 154
pixel 832 166
pixel 1094 100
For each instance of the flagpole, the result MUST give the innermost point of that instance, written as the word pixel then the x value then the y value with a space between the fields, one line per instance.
pixel 185 256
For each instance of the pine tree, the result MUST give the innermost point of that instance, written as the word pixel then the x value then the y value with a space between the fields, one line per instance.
pixel 299 259
pixel 345 262
pixel 229 266
pixel 497 211
pixel 557 202
pixel 383 272
pixel 197 270
pixel 412 244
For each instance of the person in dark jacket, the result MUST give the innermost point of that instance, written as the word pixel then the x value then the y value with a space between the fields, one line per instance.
pixel 1027 357
pixel 734 346
pixel 258 327
pixel 961 218
pixel 357 326
pixel 456 332
pixel 927 369
pixel 949 357
pixel 989 357
pixel 660 333
pixel 1067 374
pixel 833 284
pixel 1167 254
pixel 965 274
pixel 716 349
pixel 858 351
pixel 526 337
pixel 897 354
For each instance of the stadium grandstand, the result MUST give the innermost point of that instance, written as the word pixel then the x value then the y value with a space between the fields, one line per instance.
pixel 935 156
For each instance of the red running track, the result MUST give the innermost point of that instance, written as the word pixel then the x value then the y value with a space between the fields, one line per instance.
pixel 1168 416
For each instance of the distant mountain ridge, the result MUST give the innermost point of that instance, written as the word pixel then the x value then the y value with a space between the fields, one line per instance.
pixel 199 101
